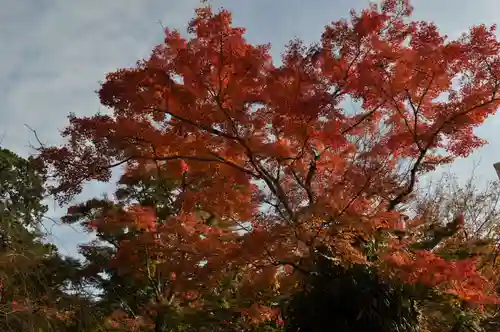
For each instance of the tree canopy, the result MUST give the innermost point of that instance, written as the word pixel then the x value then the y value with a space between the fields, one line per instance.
pixel 253 199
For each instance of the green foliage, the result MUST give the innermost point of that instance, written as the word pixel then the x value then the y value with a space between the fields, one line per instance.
pixel 21 189
pixel 33 276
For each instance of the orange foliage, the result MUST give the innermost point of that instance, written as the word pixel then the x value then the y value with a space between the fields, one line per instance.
pixel 273 147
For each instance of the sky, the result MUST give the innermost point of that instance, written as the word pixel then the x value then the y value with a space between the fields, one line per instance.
pixel 54 53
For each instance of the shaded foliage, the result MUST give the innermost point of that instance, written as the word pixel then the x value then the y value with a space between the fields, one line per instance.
pixel 349 299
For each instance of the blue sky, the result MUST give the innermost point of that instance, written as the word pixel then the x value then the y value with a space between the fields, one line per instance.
pixel 54 52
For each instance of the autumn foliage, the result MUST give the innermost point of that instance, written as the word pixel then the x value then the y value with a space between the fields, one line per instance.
pixel 236 168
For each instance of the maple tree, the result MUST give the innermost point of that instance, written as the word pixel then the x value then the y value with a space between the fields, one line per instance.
pixel 262 164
